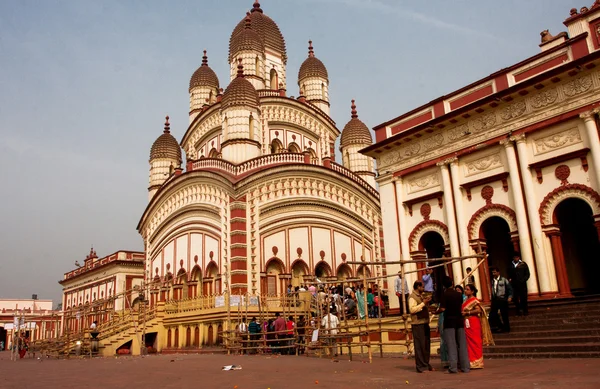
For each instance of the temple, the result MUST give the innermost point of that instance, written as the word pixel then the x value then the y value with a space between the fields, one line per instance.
pixel 508 163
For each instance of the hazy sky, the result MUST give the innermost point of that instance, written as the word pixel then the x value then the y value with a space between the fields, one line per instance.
pixel 85 86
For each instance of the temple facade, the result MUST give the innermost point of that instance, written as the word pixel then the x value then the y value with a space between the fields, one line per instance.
pixel 251 199
pixel 510 163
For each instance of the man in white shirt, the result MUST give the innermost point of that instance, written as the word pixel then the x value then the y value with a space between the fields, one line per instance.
pixel 330 323
pixel 93 326
pixel 401 288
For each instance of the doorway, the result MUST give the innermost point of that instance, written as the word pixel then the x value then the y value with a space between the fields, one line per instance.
pixel 433 244
pixel 579 238
pixel 499 246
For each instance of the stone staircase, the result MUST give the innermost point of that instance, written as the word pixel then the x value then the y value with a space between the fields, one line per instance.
pixel 561 328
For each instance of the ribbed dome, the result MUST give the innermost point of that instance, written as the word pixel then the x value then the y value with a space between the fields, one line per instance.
pixel 248 39
pixel 204 76
pixel 266 29
pixel 240 91
pixel 166 146
pixel 312 66
pixel 355 132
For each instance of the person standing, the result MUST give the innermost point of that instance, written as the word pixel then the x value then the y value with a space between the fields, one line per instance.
pixel 418 305
pixel 477 328
pixel 330 323
pixel 301 330
pixel 280 333
pixel 518 278
pixel 401 288
pixel 454 328
pixel 254 331
pixel 502 294
pixel 428 281
pixel 470 279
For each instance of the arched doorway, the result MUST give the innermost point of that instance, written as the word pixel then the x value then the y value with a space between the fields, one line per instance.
pixel 299 270
pixel 496 233
pixel 432 243
pixel 210 336
pixel 344 272
pixel 579 238
pixel 271 280
pixel 196 337
pixel 322 270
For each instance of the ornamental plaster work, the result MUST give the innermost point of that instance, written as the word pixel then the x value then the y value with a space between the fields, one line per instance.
pixel 484 164
pixel 578 191
pixel 422 183
pixel 426 226
pixel 205 126
pixel 533 108
pixel 556 141
pixel 488 211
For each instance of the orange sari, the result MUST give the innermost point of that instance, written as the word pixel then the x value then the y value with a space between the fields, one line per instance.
pixel 477 331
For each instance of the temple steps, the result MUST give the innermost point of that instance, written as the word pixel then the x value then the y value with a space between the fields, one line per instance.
pixel 560 328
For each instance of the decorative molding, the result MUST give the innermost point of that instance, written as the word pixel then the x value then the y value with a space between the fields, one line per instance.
pixel 419 184
pixel 544 98
pixel 484 164
pixel 467 186
pixel 424 227
pixel 578 85
pixel 513 111
pixel 439 195
pixel 581 154
pixel 487 211
pixel 556 141
pixel 578 191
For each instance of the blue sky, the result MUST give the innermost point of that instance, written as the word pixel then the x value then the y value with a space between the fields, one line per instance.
pixel 85 86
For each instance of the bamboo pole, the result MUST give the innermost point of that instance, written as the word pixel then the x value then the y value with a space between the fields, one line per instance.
pixel 364 295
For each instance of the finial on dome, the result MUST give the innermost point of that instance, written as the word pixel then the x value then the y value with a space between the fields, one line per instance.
pixel 354 113
pixel 248 21
pixel 256 7
pixel 167 125
pixel 311 52
pixel 240 67
pixel 204 59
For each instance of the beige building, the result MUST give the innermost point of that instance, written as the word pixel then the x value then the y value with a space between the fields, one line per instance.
pixel 35 319
pixel 510 162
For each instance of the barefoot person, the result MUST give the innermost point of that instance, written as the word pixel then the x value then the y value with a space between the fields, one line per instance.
pixel 477 327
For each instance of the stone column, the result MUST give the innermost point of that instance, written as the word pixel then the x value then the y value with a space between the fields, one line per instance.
pixel 591 131
pixel 450 218
pixel 404 232
pixel 517 194
pixel 391 239
pixel 463 234
pixel 544 266
pixel 553 232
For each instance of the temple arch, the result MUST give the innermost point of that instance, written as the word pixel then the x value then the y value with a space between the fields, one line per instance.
pixel 487 211
pixel 579 191
pixel 422 228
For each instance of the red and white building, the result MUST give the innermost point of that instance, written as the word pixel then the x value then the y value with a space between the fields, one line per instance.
pixel 35 319
pixel 91 292
pixel 510 162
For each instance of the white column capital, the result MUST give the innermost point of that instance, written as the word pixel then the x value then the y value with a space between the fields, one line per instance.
pixel 520 138
pixel 507 142
pixel 589 115
pixel 447 161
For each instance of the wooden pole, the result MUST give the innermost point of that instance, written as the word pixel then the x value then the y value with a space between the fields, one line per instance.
pixel 364 259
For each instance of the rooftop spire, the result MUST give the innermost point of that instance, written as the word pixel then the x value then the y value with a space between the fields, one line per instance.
pixel 311 52
pixel 256 7
pixel 167 125
pixel 204 59
pixel 240 67
pixel 354 113
pixel 248 22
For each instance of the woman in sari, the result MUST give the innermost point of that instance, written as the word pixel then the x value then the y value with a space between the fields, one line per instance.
pixel 477 327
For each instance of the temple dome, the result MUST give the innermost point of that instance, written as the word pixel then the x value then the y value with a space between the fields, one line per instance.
pixel 204 76
pixel 312 66
pixel 240 91
pixel 355 132
pixel 248 39
pixel 166 146
pixel 265 27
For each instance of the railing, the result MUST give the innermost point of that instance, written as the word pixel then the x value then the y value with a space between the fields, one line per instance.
pixel 353 176
pixel 248 166
pixel 194 304
pixel 268 93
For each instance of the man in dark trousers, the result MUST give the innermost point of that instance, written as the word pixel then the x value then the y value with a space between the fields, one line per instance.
pixel 501 295
pixel 454 328
pixel 418 306
pixel 518 278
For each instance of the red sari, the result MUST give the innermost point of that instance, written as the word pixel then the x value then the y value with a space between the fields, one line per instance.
pixel 477 331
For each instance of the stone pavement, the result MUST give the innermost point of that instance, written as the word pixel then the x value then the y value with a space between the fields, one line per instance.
pixel 275 372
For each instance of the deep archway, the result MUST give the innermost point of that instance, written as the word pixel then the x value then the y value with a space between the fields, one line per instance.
pixel 580 245
pixel 433 244
pixel 344 272
pixel 322 270
pixel 496 232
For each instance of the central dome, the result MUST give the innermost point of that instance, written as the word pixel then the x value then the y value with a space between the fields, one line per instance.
pixel 267 30
pixel 248 39
pixel 240 92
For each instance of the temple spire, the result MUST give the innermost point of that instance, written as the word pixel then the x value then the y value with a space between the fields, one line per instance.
pixel 204 59
pixel 256 7
pixel 240 67
pixel 354 112
pixel 167 125
pixel 311 52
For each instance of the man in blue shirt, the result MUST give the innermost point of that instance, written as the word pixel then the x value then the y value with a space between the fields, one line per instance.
pixel 428 281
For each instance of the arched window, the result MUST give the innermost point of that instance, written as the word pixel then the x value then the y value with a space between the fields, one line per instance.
pixel 210 97
pixel 251 127
pixel 273 78
pixel 256 66
pixel 323 94
pixel 347 160
pixel 294 148
pixel 276 146
pixel 213 153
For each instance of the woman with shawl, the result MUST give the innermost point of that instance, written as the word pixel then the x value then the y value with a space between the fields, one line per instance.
pixel 477 327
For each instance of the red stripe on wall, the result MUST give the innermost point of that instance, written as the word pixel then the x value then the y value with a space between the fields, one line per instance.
pixel 542 67
pixel 471 97
pixel 412 122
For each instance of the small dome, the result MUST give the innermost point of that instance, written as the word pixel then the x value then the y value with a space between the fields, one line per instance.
pixel 312 66
pixel 265 27
pixel 204 76
pixel 355 132
pixel 240 91
pixel 248 39
pixel 166 146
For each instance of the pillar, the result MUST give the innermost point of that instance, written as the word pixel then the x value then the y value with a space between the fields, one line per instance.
pixel 559 261
pixel 463 234
pixel 450 217
pixel 591 130
pixel 404 232
pixel 517 193
pixel 545 270
pixel 390 220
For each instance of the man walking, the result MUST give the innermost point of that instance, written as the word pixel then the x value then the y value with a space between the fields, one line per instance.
pixel 401 288
pixel 454 328
pixel 502 294
pixel 418 306
pixel 518 278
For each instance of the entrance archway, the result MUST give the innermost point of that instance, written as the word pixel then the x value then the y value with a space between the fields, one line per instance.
pixel 580 244
pixel 496 233
pixel 344 272
pixel 322 270
pixel 299 270
pixel 432 243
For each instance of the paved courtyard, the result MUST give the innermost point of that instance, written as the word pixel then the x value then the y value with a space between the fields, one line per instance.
pixel 262 372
